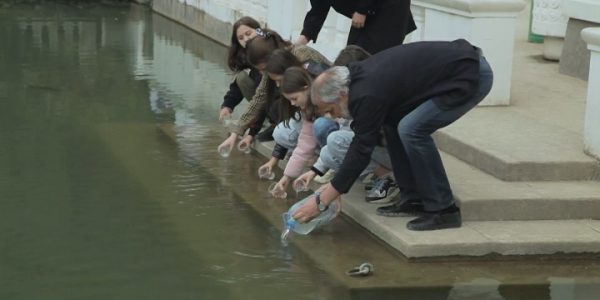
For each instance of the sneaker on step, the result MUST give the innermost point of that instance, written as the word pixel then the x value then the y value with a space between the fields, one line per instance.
pixel 381 191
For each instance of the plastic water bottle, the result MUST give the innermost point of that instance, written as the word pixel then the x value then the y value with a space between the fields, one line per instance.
pixel 289 224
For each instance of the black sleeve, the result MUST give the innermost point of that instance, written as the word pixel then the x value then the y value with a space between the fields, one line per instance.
pixel 317 171
pixel 279 152
pixel 315 17
pixel 368 7
pixel 233 97
pixel 368 118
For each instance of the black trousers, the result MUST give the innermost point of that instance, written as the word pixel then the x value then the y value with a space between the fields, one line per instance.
pixel 387 28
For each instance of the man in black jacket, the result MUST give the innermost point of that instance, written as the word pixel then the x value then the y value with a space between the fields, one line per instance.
pixel 376 24
pixel 411 91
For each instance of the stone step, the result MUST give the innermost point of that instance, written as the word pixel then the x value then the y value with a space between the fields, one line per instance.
pixel 483 197
pixel 523 207
pixel 515 147
pixel 476 238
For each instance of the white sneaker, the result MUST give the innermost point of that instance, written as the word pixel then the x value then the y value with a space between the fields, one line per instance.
pixel 326 177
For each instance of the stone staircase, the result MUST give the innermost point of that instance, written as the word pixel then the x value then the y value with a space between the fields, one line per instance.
pixel 506 166
pixel 519 172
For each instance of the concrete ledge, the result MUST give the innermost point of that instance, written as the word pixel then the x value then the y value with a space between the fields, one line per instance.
pixel 476 7
pixel 483 197
pixel 517 148
pixel 477 238
pixel 194 19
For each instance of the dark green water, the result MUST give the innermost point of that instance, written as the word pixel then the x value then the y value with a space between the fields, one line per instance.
pixel 95 203
pixel 110 186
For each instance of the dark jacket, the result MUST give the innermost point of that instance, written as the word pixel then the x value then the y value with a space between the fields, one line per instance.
pixel 387 86
pixel 386 25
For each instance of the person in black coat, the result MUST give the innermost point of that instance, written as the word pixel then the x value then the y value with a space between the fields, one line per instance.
pixel 376 24
pixel 411 91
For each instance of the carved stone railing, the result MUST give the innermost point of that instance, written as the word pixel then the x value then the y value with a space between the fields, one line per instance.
pixel 550 22
pixel 591 131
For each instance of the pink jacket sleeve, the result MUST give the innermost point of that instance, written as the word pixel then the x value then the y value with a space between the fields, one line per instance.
pixel 304 151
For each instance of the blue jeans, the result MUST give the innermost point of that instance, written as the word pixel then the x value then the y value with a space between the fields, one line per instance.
pixel 417 165
pixel 287 136
pixel 322 127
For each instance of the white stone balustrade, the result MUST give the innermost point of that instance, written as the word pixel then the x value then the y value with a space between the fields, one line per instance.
pixel 549 21
pixel 591 129
pixel 489 24
pixel 575 58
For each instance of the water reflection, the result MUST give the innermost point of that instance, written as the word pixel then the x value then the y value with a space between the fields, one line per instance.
pixel 97 201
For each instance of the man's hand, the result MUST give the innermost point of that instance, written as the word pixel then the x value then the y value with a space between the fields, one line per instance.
pixel 308 211
pixel 358 20
pixel 301 40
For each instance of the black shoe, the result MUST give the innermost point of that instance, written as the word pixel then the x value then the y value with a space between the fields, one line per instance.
pixel 265 135
pixel 402 209
pixel 436 221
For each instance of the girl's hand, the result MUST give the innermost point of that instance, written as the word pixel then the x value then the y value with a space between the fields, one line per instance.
pixel 266 171
pixel 224 113
pixel 278 189
pixel 283 183
pixel 304 179
pixel 227 145
pixel 244 144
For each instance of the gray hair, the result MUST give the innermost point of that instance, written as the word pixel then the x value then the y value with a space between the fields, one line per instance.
pixel 334 82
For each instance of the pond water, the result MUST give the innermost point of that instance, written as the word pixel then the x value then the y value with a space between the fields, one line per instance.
pixel 111 187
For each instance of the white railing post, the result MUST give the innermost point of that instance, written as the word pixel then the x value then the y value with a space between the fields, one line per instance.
pixel 591 131
pixel 489 24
